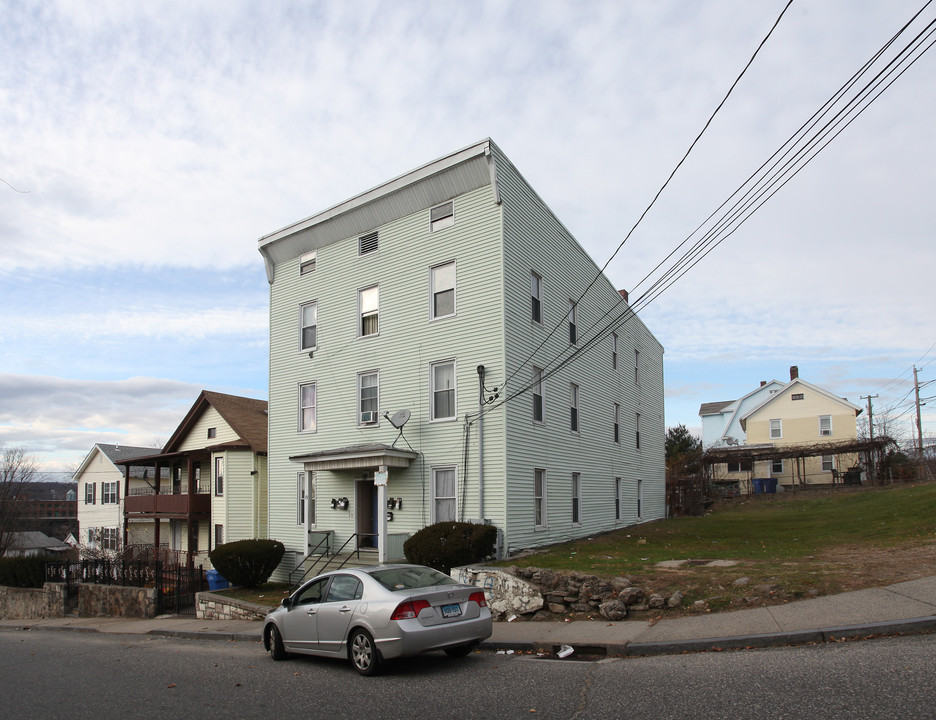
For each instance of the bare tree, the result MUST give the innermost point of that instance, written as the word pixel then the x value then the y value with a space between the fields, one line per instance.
pixel 17 470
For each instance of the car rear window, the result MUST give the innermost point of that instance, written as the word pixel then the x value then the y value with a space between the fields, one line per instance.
pixel 411 578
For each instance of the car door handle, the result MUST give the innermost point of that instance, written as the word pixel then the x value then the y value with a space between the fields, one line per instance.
pixel 311 611
pixel 344 609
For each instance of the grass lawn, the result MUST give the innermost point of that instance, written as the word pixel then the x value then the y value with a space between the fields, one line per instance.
pixel 808 543
pixel 269 594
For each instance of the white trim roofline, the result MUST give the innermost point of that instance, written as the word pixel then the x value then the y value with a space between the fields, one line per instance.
pixel 737 403
pixel 459 156
pixel 815 388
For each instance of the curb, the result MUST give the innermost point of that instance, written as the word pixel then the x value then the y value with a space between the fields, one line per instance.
pixel 207 635
pixel 837 633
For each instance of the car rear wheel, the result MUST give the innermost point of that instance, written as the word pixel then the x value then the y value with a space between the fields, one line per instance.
pixel 459 650
pixel 363 653
pixel 275 643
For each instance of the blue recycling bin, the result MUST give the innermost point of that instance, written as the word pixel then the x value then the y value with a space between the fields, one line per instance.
pixel 758 485
pixel 216 580
pixel 770 485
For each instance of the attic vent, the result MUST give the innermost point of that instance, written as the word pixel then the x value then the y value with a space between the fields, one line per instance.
pixel 796 396
pixel 367 243
pixel 442 216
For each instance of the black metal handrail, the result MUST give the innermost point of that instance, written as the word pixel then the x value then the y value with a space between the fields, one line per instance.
pixel 356 552
pixel 314 551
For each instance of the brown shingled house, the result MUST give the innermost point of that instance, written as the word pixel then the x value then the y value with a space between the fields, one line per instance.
pixel 216 487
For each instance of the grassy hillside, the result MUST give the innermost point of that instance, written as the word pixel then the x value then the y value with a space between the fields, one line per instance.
pixel 804 544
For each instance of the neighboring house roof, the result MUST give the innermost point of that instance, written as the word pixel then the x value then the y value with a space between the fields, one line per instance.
pixel 714 408
pixel 35 540
pixel 789 386
pixel 116 454
pixel 246 416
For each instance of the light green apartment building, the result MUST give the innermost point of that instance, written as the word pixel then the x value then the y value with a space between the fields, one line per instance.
pixel 425 294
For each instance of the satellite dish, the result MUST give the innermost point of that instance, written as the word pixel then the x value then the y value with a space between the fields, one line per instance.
pixel 399 418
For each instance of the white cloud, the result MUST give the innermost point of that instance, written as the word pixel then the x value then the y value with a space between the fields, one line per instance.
pixel 166 138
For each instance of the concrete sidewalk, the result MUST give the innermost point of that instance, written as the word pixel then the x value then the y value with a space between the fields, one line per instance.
pixel 907 607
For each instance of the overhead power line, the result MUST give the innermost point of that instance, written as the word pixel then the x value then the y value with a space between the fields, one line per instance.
pixel 836 114
pixel 662 187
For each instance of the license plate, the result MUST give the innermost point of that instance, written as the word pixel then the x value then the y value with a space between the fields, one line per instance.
pixel 451 611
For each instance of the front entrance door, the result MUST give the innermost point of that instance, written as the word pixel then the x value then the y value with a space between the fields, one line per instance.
pixel 365 508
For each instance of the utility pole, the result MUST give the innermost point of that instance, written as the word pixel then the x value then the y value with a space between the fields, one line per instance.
pixel 870 433
pixel 916 390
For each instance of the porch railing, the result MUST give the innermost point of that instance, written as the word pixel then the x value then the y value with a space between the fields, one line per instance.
pixel 204 488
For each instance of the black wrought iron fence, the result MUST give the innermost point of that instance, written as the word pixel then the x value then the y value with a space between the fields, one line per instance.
pixel 175 584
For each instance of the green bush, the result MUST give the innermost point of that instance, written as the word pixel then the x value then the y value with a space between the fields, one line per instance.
pixel 26 572
pixel 450 544
pixel 247 563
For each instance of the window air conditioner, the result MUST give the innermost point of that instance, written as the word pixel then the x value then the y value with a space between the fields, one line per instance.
pixel 368 417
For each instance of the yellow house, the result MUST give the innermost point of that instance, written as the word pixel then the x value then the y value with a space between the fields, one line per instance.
pixel 802 414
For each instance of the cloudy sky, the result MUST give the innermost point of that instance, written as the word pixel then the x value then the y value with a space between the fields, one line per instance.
pixel 145 147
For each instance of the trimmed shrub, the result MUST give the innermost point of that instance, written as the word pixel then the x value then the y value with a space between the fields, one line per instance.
pixel 27 572
pixel 450 544
pixel 247 563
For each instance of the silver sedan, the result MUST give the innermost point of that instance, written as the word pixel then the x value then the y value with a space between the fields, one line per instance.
pixel 378 613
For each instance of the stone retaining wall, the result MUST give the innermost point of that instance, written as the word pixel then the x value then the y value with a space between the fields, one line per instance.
pixel 546 594
pixel 116 601
pixel 44 602
pixel 210 606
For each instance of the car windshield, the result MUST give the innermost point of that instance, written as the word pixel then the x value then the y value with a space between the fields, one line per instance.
pixel 410 578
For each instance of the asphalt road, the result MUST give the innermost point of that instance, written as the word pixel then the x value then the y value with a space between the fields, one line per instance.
pixel 85 675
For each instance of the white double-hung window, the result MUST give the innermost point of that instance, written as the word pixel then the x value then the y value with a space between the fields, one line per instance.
pixel 776 428
pixel 442 390
pixel 444 496
pixel 443 290
pixel 539 498
pixel 369 304
pixel 109 493
pixel 442 216
pixel 537 387
pixel 536 296
pixel 308 325
pixel 368 397
pixel 307 407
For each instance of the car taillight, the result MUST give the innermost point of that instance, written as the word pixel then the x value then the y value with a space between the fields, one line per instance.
pixel 409 610
pixel 479 598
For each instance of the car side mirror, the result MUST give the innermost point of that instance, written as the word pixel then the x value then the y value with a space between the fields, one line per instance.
pixel 286 602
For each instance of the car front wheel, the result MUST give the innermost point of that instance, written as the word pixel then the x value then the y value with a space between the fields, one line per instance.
pixel 363 653
pixel 275 643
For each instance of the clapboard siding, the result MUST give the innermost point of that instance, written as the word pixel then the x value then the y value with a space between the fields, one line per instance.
pixel 408 342
pixel 535 241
